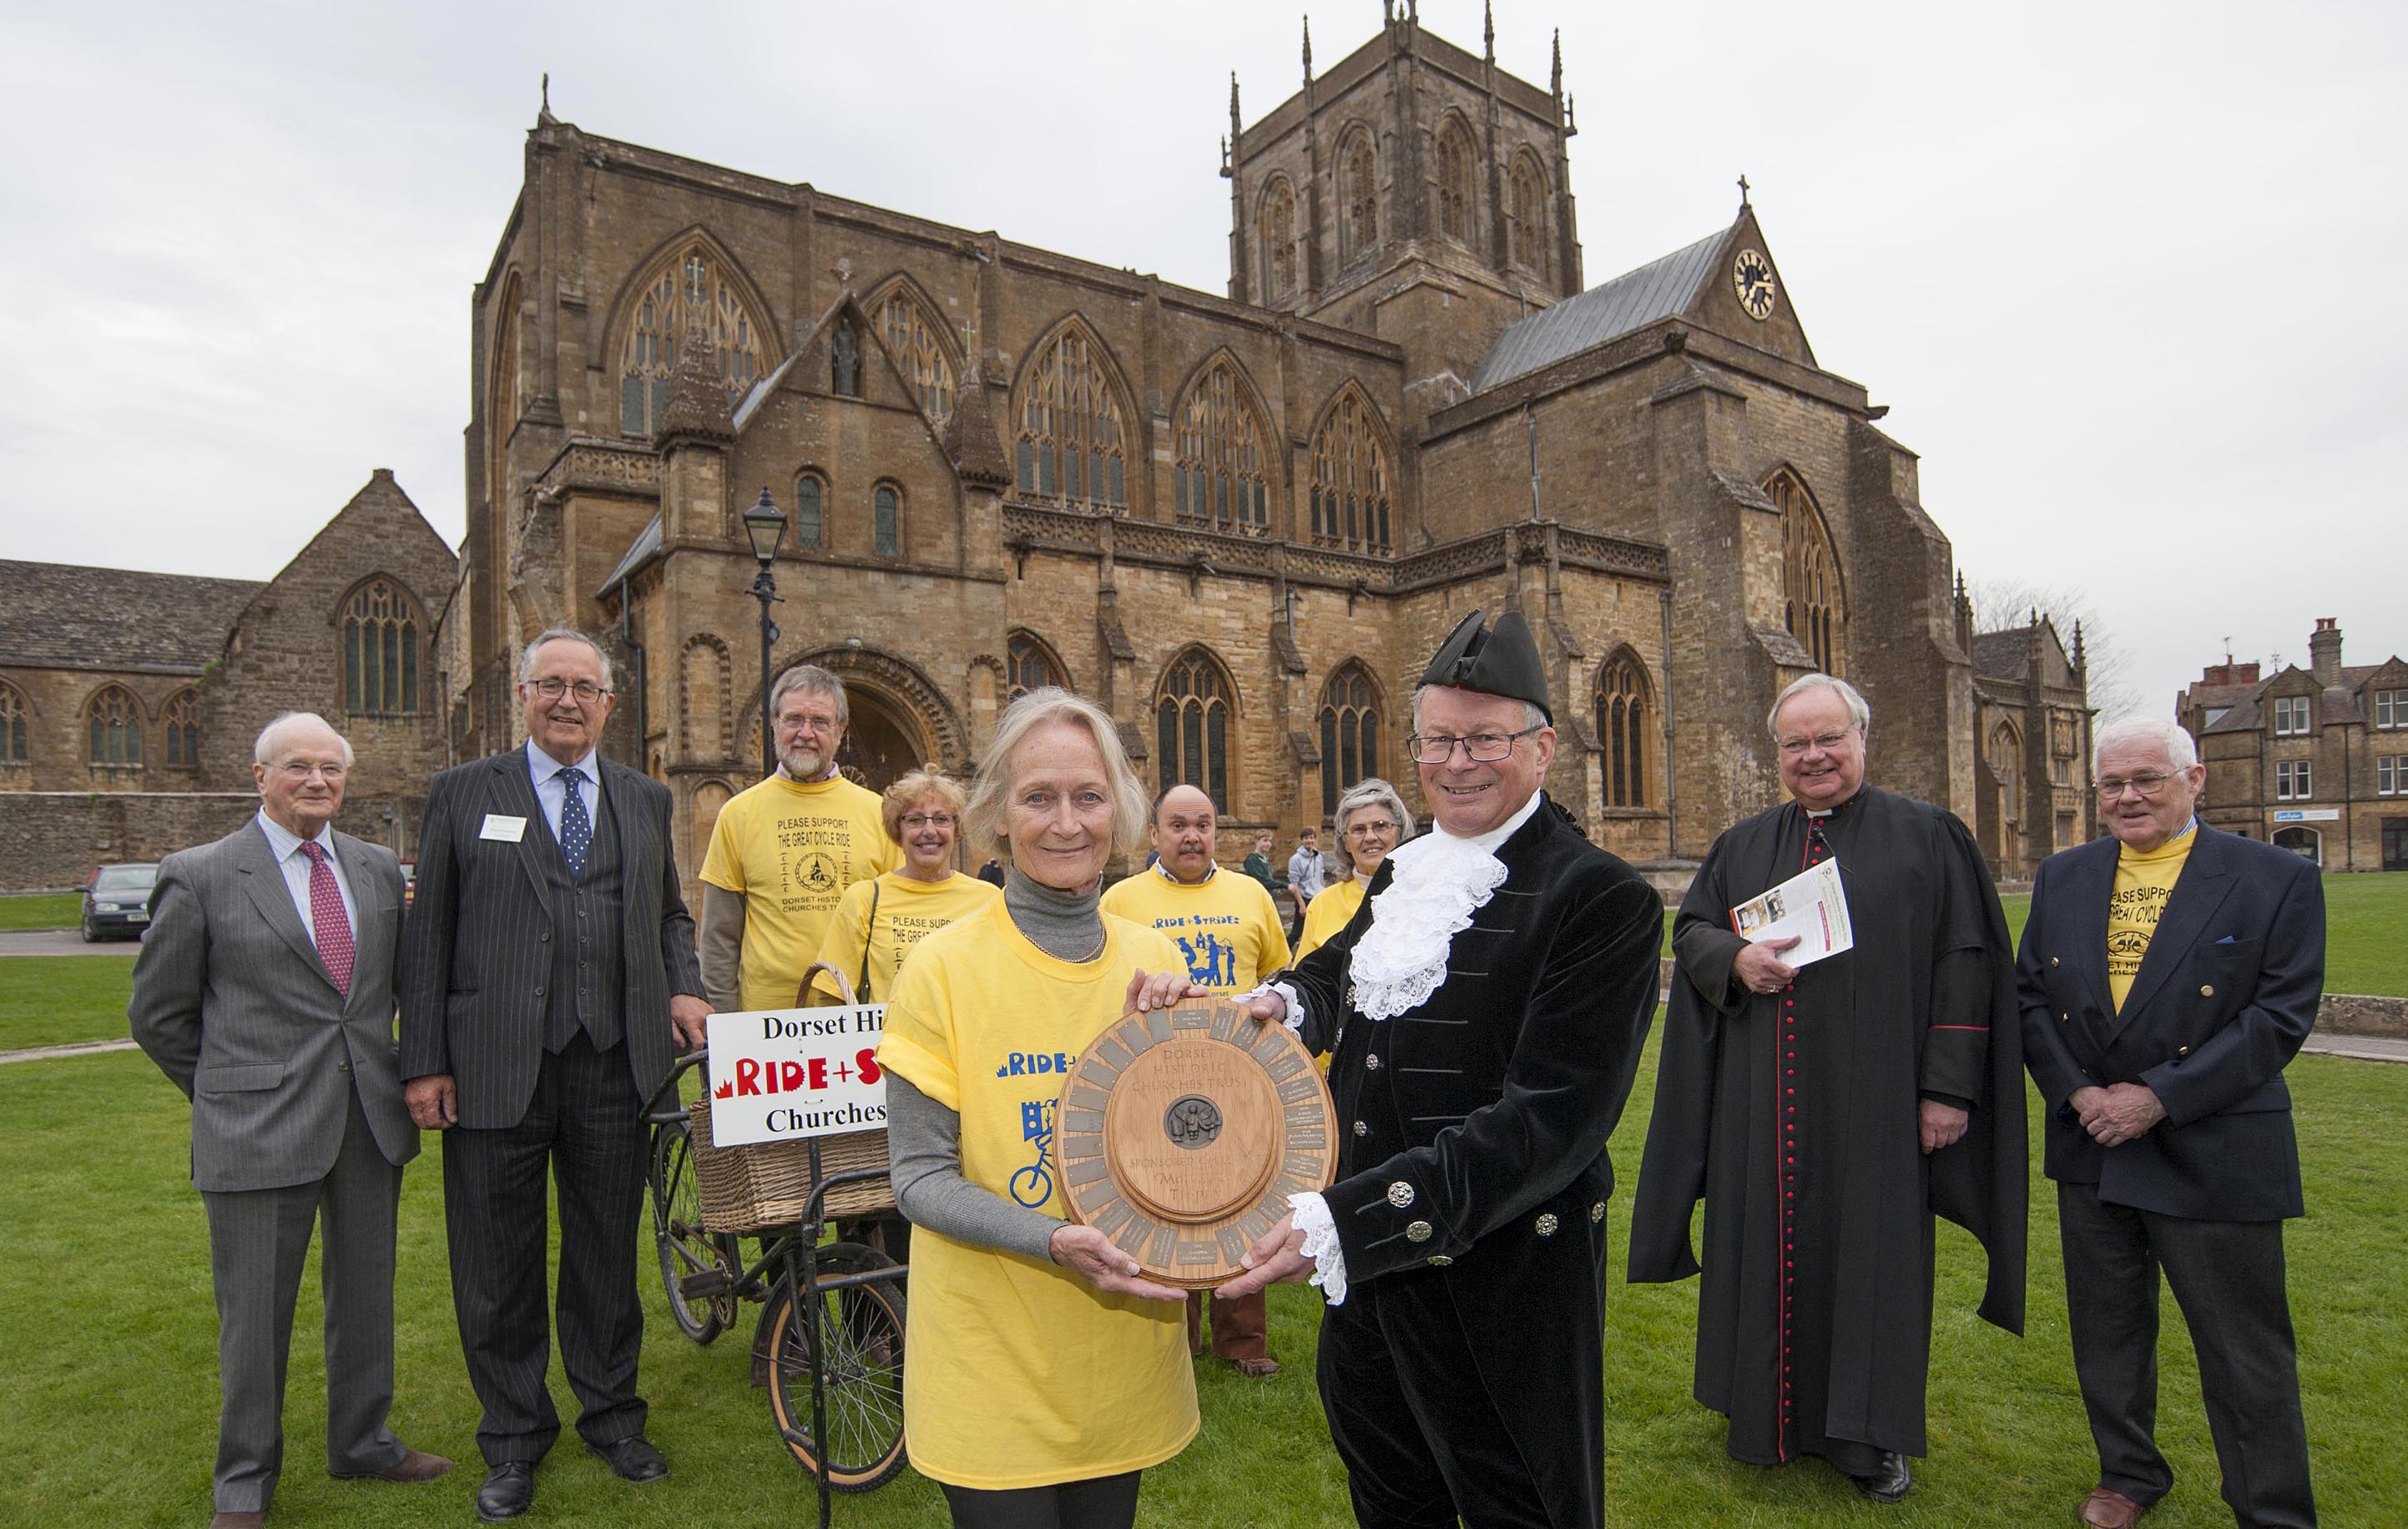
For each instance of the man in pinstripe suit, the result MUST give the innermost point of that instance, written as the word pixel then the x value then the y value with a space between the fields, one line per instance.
pixel 264 991
pixel 548 975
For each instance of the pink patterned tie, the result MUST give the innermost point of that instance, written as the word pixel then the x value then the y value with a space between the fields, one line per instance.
pixel 326 917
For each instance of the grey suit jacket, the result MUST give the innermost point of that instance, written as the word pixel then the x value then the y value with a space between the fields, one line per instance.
pixel 233 1003
pixel 475 955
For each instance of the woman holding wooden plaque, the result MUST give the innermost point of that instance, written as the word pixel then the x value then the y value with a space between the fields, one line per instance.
pixel 1043 1371
pixel 1371 821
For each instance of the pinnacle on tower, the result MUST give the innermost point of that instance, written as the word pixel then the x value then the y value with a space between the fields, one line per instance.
pixel 1555 82
pixel 1308 48
pixel 1488 29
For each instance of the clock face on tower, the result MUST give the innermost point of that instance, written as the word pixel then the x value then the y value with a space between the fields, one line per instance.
pixel 1752 279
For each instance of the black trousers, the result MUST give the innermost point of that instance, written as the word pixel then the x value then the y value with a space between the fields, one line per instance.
pixel 1100 1502
pixel 2228 1276
pixel 1415 1427
pixel 582 1126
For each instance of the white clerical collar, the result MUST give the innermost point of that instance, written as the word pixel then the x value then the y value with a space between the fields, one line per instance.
pixel 1498 835
pixel 1164 871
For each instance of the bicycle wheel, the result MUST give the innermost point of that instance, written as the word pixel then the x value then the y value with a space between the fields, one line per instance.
pixel 861 1351
pixel 686 1248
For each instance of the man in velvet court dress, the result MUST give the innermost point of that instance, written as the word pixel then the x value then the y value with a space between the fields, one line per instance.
pixel 547 958
pixel 1825 1111
pixel 1484 1009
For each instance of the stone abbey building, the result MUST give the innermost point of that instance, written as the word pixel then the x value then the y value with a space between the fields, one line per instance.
pixel 1239 522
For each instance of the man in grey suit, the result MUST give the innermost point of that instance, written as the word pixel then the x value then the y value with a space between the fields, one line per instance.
pixel 264 991
pixel 548 977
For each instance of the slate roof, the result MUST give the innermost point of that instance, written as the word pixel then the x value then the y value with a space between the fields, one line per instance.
pixel 66 616
pixel 646 547
pixel 1633 300
pixel 1999 655
pixel 2246 713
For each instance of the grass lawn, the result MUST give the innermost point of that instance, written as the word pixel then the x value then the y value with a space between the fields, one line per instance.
pixel 41 910
pixel 2366 927
pixel 108 1403
pixel 51 1000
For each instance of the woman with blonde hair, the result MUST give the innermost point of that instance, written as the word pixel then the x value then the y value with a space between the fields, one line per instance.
pixel 877 922
pixel 1044 1373
pixel 1372 822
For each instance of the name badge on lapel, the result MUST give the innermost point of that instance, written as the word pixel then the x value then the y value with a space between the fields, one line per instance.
pixel 501 826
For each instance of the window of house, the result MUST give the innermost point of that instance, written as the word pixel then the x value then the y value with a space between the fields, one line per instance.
pixel 1809 574
pixel 13 725
pixel 1349 479
pixel 2294 781
pixel 886 521
pixel 2290 714
pixel 2064 829
pixel 2391 709
pixel 381 651
pixel 2391 775
pixel 1350 734
pixel 1069 446
pixel 1029 664
pixel 1219 479
pixel 1192 727
pixel 810 496
pixel 113 726
pixel 1622 728
pixel 182 719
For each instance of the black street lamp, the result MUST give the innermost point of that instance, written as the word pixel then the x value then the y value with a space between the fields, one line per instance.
pixel 765 523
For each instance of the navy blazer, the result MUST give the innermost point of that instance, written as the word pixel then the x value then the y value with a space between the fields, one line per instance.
pixel 2225 995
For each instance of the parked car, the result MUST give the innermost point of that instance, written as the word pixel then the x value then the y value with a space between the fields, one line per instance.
pixel 116 901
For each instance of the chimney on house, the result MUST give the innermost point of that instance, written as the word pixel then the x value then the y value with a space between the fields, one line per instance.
pixel 2324 651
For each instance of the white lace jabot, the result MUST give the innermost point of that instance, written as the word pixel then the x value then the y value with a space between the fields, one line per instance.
pixel 1439 882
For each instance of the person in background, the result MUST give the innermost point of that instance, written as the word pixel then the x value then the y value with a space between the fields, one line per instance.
pixel 1372 822
pixel 264 993
pixel 1227 929
pixel 2168 977
pixel 1045 1373
pixel 992 873
pixel 1304 876
pixel 877 922
pixel 785 849
pixel 1258 862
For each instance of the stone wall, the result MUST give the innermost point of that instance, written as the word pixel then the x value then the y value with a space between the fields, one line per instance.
pixel 51 839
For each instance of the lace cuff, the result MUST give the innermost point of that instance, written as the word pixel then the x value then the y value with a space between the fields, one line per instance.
pixel 1321 1244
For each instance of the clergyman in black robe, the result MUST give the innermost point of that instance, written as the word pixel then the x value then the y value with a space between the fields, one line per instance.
pixel 1803 1117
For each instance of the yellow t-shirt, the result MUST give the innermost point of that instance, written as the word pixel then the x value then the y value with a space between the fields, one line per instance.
pixel 791 848
pixel 907 911
pixel 1020 1374
pixel 1328 915
pixel 2143 881
pixel 1226 926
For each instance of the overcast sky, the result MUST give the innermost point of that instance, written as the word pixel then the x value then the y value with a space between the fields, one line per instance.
pixel 2128 275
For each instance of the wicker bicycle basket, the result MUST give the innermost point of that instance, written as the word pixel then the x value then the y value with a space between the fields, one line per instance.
pixel 765 1186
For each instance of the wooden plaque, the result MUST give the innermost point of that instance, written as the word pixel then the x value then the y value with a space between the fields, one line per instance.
pixel 1180 1134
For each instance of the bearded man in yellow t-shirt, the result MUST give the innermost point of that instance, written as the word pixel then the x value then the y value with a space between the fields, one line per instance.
pixel 783 851
pixel 1227 929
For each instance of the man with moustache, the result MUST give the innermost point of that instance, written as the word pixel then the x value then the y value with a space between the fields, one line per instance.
pixel 1825 1111
pixel 1227 928
pixel 1486 1008
pixel 786 848
pixel 264 991
pixel 2168 977
pixel 549 979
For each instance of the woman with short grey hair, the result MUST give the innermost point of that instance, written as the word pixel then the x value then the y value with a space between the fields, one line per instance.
pixel 1372 822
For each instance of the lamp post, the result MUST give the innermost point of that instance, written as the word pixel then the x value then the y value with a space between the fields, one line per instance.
pixel 765 523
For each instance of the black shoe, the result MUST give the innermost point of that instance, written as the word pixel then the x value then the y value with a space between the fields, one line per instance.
pixel 632 1459
pixel 1888 1480
pixel 508 1491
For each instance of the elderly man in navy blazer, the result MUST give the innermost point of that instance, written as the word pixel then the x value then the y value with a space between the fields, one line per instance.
pixel 264 991
pixel 2167 976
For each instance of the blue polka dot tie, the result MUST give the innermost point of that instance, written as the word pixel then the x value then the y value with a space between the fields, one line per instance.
pixel 576 825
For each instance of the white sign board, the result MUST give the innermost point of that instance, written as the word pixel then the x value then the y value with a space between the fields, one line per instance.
pixel 781 1072
pixel 2308 814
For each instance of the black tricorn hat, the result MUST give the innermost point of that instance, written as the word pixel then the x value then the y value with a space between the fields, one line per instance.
pixel 1502 660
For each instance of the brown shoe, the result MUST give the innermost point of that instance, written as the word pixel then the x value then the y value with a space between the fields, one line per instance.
pixel 2105 1508
pixel 415 1465
pixel 1258 1369
pixel 238 1521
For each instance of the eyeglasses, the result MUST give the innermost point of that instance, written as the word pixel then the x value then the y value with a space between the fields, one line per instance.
pixel 809 724
pixel 918 820
pixel 295 770
pixel 552 688
pixel 1821 742
pixel 1480 748
pixel 1376 828
pixel 2151 785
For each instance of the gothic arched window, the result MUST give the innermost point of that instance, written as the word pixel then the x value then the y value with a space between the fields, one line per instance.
pixel 811 503
pixel 1277 222
pixel 1030 664
pixel 1221 478
pixel 1350 734
pixel 1812 603
pixel 1351 477
pixel 1191 711
pixel 1069 446
pixel 678 292
pixel 2006 753
pixel 182 719
pixel 886 521
pixel 113 723
pixel 1529 221
pixel 1622 730
pixel 1358 197
pixel 1457 199
pixel 13 712
pixel 381 651
pixel 911 334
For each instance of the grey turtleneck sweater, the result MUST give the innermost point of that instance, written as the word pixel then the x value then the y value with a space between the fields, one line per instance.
pixel 923 1138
